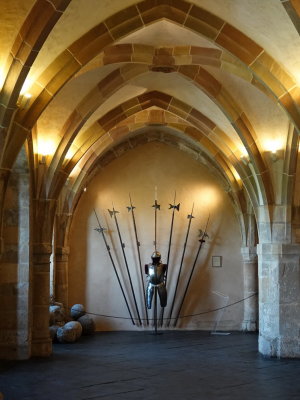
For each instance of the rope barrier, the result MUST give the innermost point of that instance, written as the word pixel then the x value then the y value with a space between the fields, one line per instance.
pixel 184 316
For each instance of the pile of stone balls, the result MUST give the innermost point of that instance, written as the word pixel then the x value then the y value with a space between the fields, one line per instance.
pixel 68 327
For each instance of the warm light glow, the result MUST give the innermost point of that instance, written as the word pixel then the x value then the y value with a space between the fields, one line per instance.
pixel 273 145
pixel 46 147
pixel 244 152
pixel 236 175
pixel 2 76
pixel 69 154
pixel 25 88
pixel 208 197
pixel 27 95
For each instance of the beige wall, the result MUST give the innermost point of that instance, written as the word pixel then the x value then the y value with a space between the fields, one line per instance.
pixel 91 277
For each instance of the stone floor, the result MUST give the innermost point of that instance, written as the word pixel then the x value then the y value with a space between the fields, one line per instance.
pixel 175 365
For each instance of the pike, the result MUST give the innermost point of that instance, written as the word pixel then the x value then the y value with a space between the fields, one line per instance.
pixel 189 217
pixel 156 207
pixel 203 235
pixel 131 208
pixel 113 214
pixel 174 207
pixel 101 230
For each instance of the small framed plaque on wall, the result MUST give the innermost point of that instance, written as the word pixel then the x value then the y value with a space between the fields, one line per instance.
pixel 216 261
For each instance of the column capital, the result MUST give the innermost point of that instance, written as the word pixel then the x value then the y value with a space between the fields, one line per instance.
pixel 62 250
pixel 249 253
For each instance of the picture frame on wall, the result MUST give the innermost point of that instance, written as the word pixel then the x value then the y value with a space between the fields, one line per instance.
pixel 216 261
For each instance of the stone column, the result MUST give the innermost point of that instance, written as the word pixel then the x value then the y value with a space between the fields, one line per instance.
pixel 279 299
pixel 4 177
pixel 61 275
pixel 44 211
pixel 41 342
pixel 15 333
pixel 62 224
pixel 279 284
pixel 250 267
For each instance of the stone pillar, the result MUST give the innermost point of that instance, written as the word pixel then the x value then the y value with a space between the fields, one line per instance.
pixel 4 177
pixel 279 284
pixel 250 267
pixel 44 211
pixel 279 299
pixel 62 224
pixel 15 333
pixel 41 342
pixel 61 275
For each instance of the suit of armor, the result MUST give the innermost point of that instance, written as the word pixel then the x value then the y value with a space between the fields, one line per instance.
pixel 156 274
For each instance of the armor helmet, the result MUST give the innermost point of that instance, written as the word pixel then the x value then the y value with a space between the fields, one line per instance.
pixel 156 256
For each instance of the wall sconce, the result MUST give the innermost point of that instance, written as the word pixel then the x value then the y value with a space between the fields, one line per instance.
pixel 45 148
pixel 42 159
pixel 274 155
pixel 274 149
pixel 24 101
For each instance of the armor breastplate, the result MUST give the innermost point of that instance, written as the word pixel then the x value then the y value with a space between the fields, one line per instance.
pixel 156 273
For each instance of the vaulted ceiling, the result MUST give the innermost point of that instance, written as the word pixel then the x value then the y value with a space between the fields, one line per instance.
pixel 82 78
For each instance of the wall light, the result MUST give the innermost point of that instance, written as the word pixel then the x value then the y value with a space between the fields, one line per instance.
pixel 24 101
pixel 45 148
pixel 273 147
pixel 2 76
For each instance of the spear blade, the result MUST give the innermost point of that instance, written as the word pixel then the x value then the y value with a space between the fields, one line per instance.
pixel 189 217
pixel 113 214
pixel 101 230
pixel 173 207
pixel 201 241
pixel 131 209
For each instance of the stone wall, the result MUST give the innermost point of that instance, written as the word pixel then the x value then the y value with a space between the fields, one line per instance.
pixel 91 277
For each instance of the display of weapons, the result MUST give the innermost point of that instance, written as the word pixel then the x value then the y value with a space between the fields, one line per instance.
pixel 173 207
pixel 189 217
pixel 131 209
pixel 156 207
pixel 101 230
pixel 203 235
pixel 113 214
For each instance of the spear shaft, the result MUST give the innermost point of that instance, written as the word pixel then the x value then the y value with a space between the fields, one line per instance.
pixel 201 241
pixel 131 208
pixel 100 230
pixel 190 217
pixel 174 207
pixel 125 260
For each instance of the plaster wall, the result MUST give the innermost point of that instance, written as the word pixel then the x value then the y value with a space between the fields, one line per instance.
pixel 91 276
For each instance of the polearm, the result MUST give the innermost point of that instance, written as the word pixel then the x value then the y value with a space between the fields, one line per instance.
pixel 156 207
pixel 190 217
pixel 174 207
pixel 203 235
pixel 113 214
pixel 131 208
pixel 101 230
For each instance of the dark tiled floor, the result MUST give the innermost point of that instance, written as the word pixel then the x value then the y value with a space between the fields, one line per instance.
pixel 181 365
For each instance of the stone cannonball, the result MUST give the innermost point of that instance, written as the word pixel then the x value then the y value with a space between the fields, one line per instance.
pixel 69 333
pixel 53 330
pixel 88 324
pixel 77 311
pixel 57 314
